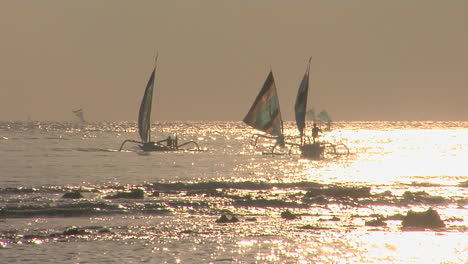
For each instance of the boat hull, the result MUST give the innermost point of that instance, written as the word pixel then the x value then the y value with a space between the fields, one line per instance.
pixel 156 147
pixel 312 151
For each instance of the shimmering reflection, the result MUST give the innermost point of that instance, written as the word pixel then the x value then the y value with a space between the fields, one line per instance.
pixel 185 194
pixel 385 156
pixel 414 247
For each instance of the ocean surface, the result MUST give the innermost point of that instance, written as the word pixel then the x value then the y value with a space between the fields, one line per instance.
pixel 392 168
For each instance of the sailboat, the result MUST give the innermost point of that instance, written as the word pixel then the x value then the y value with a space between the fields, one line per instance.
pixel 311 115
pixel 265 114
pixel 310 150
pixel 144 124
pixel 80 114
pixel 324 118
pixel 315 149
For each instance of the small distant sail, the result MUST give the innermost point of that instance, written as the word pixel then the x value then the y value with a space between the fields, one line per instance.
pixel 265 114
pixel 301 101
pixel 144 116
pixel 325 118
pixel 311 115
pixel 80 114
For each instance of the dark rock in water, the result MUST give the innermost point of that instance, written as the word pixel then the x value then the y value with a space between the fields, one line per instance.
pixel 73 195
pixel 376 222
pixel 75 231
pixel 133 194
pixel 225 219
pixel 288 215
pixel 427 219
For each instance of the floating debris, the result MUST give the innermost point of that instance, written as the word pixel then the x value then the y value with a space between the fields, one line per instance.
pixel 426 219
pixel 73 195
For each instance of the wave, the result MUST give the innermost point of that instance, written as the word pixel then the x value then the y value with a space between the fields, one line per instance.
pixel 160 198
pixel 251 185
pixel 80 209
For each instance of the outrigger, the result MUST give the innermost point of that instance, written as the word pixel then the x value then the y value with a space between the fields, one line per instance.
pixel 144 125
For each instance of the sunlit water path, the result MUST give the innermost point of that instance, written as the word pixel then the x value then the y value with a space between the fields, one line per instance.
pixel 406 165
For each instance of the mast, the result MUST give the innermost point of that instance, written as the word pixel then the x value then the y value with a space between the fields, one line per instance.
pixel 149 114
pixel 308 79
pixel 144 115
pixel 300 106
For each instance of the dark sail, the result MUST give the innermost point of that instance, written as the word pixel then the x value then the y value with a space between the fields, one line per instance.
pixel 265 114
pixel 144 116
pixel 301 101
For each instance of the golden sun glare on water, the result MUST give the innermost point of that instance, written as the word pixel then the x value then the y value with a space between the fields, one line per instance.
pixel 383 157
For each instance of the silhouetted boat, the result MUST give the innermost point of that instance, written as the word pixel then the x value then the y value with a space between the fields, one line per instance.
pixel 314 149
pixel 265 114
pixel 324 119
pixel 311 115
pixel 144 124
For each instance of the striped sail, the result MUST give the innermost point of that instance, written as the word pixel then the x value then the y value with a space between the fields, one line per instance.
pixel 265 114
pixel 144 116
pixel 301 101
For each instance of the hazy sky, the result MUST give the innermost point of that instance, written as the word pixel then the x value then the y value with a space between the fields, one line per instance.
pixel 372 59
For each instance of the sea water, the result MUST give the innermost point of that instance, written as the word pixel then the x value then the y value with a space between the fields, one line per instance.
pixel 407 166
